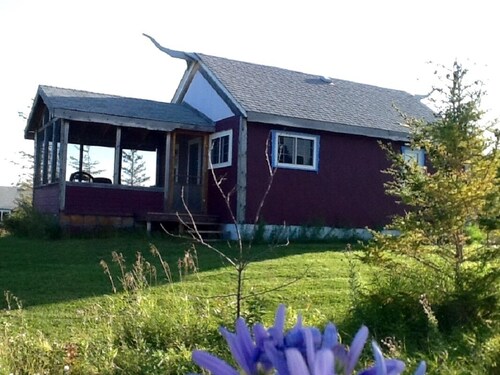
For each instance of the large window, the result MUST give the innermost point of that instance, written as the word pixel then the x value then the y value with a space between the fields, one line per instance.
pixel 295 151
pixel 221 149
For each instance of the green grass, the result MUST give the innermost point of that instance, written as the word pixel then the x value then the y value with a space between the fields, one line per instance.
pixel 67 300
pixel 53 279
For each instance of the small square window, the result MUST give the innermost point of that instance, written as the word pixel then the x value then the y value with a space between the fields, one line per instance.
pixel 295 151
pixel 411 155
pixel 221 149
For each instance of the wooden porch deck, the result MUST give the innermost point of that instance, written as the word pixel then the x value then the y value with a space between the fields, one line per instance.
pixel 207 225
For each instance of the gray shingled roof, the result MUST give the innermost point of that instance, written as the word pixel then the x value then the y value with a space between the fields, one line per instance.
pixel 267 90
pixel 76 104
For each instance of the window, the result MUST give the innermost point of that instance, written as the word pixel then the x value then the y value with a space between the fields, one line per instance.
pixel 411 155
pixel 295 151
pixel 221 149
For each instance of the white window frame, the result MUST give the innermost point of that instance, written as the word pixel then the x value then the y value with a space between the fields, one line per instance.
pixel 417 155
pixel 275 150
pixel 220 135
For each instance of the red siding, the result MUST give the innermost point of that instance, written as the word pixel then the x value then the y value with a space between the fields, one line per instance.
pixel 46 199
pixel 93 200
pixel 215 203
pixel 347 191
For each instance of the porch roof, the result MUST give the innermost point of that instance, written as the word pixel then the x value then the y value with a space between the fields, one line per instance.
pixel 77 105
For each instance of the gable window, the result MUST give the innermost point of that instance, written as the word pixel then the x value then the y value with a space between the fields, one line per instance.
pixel 411 155
pixel 295 151
pixel 221 149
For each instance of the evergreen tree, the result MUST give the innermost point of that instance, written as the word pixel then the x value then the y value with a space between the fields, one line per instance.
pixel 133 168
pixel 446 201
pixel 88 165
pixel 25 164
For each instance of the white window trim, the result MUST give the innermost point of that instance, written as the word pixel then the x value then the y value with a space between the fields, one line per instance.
pixel 275 156
pixel 221 134
pixel 419 153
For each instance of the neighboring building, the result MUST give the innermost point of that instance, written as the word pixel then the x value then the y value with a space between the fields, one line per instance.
pixel 320 135
pixel 8 196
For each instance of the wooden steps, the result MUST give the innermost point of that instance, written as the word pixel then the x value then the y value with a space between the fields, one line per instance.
pixel 207 226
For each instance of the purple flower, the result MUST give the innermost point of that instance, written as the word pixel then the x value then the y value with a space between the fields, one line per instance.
pixel 300 351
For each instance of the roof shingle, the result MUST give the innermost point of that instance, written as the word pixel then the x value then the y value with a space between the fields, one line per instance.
pixel 281 92
pixel 104 104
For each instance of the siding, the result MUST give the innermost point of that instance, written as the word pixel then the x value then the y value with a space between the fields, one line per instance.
pixel 215 203
pixel 46 199
pixel 347 191
pixel 118 201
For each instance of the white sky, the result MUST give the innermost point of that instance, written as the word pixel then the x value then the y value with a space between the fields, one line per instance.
pixel 97 45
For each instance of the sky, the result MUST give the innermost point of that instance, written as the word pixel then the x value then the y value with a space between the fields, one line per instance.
pixel 97 45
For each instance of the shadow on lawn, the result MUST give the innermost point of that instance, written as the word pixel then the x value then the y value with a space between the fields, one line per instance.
pixel 43 272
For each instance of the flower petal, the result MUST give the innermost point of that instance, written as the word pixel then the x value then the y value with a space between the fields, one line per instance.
pixel 238 347
pixel 380 367
pixel 394 366
pixel 355 350
pixel 213 364
pixel 276 357
pixel 323 365
pixel 247 347
pixel 279 326
pixel 295 362
pixel 310 353
pixel 329 336
pixel 421 369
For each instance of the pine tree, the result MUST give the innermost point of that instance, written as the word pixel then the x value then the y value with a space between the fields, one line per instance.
pixel 133 168
pixel 453 194
pixel 88 165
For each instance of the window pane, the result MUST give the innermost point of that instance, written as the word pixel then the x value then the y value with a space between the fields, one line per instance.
pixel 286 149
pixel 411 156
pixel 305 150
pixel 224 158
pixel 215 151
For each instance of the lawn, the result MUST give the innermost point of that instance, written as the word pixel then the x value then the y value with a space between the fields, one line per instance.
pixel 62 285
pixel 71 316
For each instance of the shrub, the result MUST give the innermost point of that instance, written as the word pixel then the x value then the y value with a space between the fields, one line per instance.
pixel 25 221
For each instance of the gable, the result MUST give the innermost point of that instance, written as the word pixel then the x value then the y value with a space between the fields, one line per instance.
pixel 279 96
pixel 203 97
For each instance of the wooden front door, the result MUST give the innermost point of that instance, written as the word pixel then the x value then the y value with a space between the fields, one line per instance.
pixel 188 174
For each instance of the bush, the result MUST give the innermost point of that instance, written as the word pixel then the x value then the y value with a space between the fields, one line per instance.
pixel 26 222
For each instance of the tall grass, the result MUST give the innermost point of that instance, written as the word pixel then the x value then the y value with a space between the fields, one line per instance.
pixel 136 305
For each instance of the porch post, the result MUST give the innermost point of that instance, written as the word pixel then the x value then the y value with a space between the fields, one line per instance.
pixel 63 155
pixel 168 160
pixel 53 158
pixel 37 173
pixel 204 172
pixel 118 157
pixel 241 177
pixel 45 160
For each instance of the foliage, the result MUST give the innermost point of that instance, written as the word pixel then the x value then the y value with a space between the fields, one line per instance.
pixel 447 198
pixel 407 324
pixel 133 168
pixel 89 165
pixel 25 221
pixel 25 163
pixel 154 325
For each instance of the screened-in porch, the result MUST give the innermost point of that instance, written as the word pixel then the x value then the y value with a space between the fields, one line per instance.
pixel 106 160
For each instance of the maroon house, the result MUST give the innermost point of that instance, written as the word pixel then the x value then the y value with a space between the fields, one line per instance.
pixel 237 121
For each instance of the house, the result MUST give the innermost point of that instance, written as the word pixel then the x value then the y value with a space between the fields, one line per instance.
pixel 238 122
pixel 8 196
